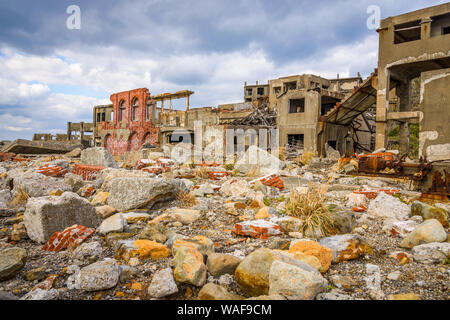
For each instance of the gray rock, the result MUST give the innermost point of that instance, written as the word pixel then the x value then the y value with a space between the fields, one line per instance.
pixel 5 197
pixel 429 231
pixel 431 253
pixel 7 296
pixel 127 273
pixel 98 157
pixel 134 193
pixel 40 294
pixel 115 223
pixel 163 284
pixel 295 283
pixel 36 184
pixel 45 215
pixel 345 247
pixel 74 180
pixel 100 275
pixel 386 206
pixel 12 261
pixel 90 250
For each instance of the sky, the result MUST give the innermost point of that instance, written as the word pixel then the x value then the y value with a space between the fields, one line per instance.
pixel 51 74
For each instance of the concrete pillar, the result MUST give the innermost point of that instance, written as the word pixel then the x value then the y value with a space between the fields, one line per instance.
pixel 81 131
pixel 403 91
pixel 382 108
pixel 425 25
pixel 69 130
pixel 404 138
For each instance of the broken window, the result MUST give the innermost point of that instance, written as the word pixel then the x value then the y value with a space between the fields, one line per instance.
pixel 296 105
pixel 290 86
pixel 407 32
pixel 260 91
pixel 332 143
pixel 135 110
pixel 277 90
pixel 121 110
pixel 296 140
pixel 148 109
pixel 248 99
pixel 248 92
pixel 440 25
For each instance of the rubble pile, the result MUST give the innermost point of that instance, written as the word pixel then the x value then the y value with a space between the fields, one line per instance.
pixel 89 229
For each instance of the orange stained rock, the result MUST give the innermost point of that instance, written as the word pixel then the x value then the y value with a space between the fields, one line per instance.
pixel 150 249
pixel 312 248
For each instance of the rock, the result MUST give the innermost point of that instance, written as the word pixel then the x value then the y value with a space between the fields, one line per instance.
pixel 373 281
pixel 267 298
pixel 12 261
pixel 281 244
pixel 252 274
pixel 260 160
pixel 113 238
pixel 5 198
pixel 7 296
pixel 404 296
pixel 163 284
pixel 74 181
pixel 432 253
pixel 75 153
pixel 311 260
pixel 386 206
pixel 116 223
pixel 211 291
pixel 40 294
pixel 429 212
pixel 172 237
pixel 312 248
pixel 100 197
pixel 45 215
pixel 186 216
pixel 344 221
pixel 356 200
pixel 342 281
pixel 189 266
pixel 394 276
pixel 295 283
pixel 36 184
pixel 143 249
pixel 101 275
pixel 289 224
pixel 154 233
pixel 134 193
pixel 400 228
pixel 35 274
pixel 427 232
pixel 91 250
pixel 98 157
pixel 219 264
pixel 233 188
pixel 345 247
pixel 333 295
pixel 203 244
pixel 127 273
pixel 105 211
pixel 265 212
pixel 133 217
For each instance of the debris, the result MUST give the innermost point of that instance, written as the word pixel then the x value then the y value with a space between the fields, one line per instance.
pixel 72 236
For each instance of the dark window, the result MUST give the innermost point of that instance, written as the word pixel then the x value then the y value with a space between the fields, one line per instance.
pixel 297 105
pixel 261 91
pixel 446 30
pixel 332 144
pixel 248 92
pixel 98 117
pixel 296 140
pixel 121 110
pixel 407 32
pixel 103 116
pixel 135 110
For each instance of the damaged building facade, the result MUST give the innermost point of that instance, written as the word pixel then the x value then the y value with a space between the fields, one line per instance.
pixel 414 80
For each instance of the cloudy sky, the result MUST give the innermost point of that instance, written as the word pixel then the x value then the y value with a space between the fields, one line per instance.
pixel 50 74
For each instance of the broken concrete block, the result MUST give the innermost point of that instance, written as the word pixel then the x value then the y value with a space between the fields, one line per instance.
pixel 45 215
pixel 134 193
pixel 98 157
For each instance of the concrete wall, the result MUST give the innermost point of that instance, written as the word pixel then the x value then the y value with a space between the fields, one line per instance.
pixel 434 136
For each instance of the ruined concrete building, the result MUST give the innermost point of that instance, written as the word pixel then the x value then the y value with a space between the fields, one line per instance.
pixel 414 80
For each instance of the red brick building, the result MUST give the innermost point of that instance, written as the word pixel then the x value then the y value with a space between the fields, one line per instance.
pixel 132 124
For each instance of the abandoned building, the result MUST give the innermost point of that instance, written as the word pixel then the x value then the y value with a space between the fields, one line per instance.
pixel 414 80
pixel 81 131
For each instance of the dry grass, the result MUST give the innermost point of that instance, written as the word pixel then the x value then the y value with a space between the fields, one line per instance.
pixel 202 172
pixel 313 212
pixel 282 153
pixel 20 198
pixel 187 200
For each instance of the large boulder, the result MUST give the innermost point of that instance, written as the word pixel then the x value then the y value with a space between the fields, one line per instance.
pixel 345 247
pixel 257 159
pixel 189 266
pixel 45 215
pixel 101 275
pixel 295 283
pixel 98 157
pixel 35 184
pixel 115 223
pixel 386 206
pixel 429 212
pixel 219 264
pixel 252 274
pixel 432 253
pixel 312 248
pixel 427 232
pixel 12 261
pixel 211 291
pixel 163 284
pixel 134 193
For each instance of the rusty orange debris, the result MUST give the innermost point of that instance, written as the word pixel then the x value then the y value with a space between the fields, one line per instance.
pixel 86 171
pixel 52 170
pixel 71 236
